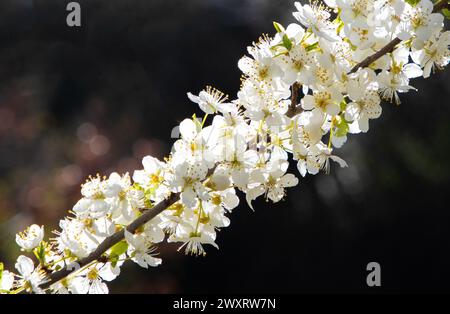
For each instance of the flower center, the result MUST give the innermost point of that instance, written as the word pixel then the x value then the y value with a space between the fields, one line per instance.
pixel 322 99
pixel 216 200
pixel 92 274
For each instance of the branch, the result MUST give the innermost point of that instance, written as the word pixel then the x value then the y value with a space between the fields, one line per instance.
pixel 391 45
pixel 294 108
pixel 148 215
pixel 377 55
pixel 96 255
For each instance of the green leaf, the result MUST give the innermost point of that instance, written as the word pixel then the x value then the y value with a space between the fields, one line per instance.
pixel 39 252
pixel 343 105
pixel 279 50
pixel 114 260
pixel 1 273
pixel 137 186
pixel 197 121
pixel 341 127
pixel 446 13
pixel 287 43
pixel 312 46
pixel 117 250
pixel 278 27
pixel 413 2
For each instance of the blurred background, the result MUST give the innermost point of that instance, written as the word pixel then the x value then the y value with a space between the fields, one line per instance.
pixel 96 99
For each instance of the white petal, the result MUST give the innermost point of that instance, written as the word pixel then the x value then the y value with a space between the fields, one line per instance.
pixel 151 164
pixel 193 98
pixel 245 65
pixel 289 180
pixel 257 176
pixel 333 109
pixel 276 193
pixel 98 287
pixel 363 123
pixel 189 197
pixel 308 102
pixel 153 261
pixel 24 265
pixel 339 160
pixel 301 166
pixel 295 31
pixel 109 273
pixel 231 201
pixel 240 178
pixel 7 281
pixel 254 193
pixel 79 285
pixel 198 170
pixel 338 142
pixel 354 90
pixel 188 129
pixel 412 70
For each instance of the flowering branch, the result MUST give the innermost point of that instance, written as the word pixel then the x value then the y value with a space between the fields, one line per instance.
pixel 247 145
pixel 148 214
pixel 392 44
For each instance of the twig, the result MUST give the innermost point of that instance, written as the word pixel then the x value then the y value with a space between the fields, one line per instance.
pixel 97 254
pixel 148 215
pixel 294 108
pixel 372 58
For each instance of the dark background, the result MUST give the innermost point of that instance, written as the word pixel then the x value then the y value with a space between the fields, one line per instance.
pixel 77 101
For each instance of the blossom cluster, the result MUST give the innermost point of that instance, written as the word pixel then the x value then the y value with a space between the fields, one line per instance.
pixel 302 94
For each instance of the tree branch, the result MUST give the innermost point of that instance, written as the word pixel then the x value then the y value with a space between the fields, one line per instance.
pixel 148 215
pixel 377 55
pixel 96 255
pixel 294 108
pixel 392 44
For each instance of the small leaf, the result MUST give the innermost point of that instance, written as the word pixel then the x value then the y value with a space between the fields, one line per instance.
pixel 342 127
pixel 446 13
pixel 287 43
pixel 413 2
pixel 116 251
pixel 279 50
pixel 39 252
pixel 312 46
pixel 119 248
pixel 1 273
pixel 197 121
pixel 278 27
pixel 343 105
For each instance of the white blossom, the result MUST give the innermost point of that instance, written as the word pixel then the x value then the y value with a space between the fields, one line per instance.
pixel 30 238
